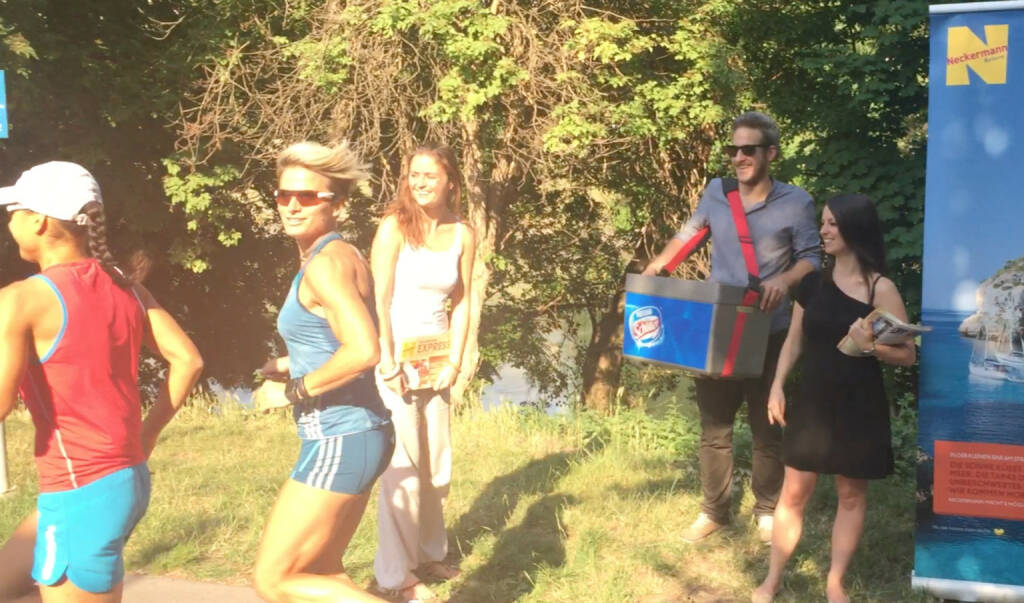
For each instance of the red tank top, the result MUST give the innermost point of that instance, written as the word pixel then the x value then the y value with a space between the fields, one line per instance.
pixel 83 394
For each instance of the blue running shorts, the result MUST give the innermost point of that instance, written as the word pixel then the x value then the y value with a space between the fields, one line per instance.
pixel 347 464
pixel 81 532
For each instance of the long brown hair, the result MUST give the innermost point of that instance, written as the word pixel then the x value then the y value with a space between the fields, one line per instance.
pixel 409 214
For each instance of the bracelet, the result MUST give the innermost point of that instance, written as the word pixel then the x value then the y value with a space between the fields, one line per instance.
pixel 870 351
pixel 295 391
pixel 391 374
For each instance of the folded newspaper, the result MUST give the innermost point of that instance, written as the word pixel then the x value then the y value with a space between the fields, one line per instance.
pixel 888 330
pixel 423 358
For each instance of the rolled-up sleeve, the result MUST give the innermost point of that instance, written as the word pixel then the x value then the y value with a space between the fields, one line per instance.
pixel 697 221
pixel 806 240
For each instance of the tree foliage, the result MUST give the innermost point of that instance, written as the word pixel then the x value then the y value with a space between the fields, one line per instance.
pixel 578 128
pixel 586 132
pixel 99 83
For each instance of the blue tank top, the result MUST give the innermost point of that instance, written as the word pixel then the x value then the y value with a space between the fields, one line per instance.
pixel 351 408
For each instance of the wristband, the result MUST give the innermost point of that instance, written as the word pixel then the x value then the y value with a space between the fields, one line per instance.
pixel 390 374
pixel 295 391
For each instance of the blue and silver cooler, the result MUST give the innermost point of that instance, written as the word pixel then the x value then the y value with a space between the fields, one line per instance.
pixel 690 324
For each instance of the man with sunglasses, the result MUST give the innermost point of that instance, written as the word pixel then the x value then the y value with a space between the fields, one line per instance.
pixel 781 219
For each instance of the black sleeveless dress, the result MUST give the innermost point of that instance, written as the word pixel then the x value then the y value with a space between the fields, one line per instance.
pixel 839 421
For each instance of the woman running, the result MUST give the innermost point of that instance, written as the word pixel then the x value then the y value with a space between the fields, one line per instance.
pixel 70 338
pixel 328 325
pixel 422 265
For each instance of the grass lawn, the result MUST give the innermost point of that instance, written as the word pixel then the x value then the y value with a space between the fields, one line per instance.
pixel 542 509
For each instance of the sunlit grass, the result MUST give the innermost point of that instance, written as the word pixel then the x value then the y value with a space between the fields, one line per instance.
pixel 542 509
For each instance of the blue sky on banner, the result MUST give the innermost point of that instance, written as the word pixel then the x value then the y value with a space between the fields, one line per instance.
pixel 974 211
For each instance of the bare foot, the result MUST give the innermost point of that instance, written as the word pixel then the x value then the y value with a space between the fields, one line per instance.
pixel 415 591
pixel 438 570
pixel 835 593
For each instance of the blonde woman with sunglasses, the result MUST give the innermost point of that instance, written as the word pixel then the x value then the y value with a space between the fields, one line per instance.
pixel 329 327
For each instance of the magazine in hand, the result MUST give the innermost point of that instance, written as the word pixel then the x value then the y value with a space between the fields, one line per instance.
pixel 423 358
pixel 888 330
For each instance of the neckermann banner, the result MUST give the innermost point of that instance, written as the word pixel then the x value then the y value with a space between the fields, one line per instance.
pixel 969 540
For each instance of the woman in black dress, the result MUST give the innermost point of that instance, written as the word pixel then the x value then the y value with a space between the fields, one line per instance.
pixel 839 423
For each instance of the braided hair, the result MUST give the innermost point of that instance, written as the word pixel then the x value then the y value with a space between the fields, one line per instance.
pixel 95 231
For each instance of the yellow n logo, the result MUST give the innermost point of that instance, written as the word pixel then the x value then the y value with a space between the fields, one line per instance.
pixel 987 59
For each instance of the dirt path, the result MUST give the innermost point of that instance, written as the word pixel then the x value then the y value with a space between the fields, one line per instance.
pixel 157 589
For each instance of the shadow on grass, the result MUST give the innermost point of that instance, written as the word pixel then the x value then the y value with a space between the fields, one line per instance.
pixel 491 508
pixel 525 544
pixel 520 553
pixel 686 483
pixel 177 544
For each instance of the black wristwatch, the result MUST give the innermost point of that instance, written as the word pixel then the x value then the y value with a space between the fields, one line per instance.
pixel 295 391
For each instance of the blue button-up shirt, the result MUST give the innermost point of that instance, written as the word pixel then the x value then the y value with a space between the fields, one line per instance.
pixel 783 228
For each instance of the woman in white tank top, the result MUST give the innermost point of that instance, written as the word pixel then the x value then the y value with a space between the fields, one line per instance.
pixel 422 262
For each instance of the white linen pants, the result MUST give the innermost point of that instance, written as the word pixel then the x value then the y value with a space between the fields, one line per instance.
pixel 410 520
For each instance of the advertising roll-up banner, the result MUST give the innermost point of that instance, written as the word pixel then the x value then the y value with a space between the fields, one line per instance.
pixel 969 539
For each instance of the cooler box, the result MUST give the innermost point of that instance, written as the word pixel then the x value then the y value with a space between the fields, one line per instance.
pixel 689 325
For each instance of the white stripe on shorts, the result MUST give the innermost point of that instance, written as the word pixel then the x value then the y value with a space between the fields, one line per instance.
pixel 311 478
pixel 51 553
pixel 335 461
pixel 317 474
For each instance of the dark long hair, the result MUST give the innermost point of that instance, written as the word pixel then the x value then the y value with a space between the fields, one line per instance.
pixel 409 214
pixel 858 223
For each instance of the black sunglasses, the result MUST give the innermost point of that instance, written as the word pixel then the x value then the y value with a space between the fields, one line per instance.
pixel 747 149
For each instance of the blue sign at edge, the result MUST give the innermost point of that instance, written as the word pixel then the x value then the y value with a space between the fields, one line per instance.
pixel 3 107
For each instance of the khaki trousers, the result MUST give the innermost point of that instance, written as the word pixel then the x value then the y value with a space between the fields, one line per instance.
pixel 410 520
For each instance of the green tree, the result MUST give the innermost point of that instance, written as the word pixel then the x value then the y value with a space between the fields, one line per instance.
pixel 578 127
pixel 98 83
pixel 586 133
pixel 848 80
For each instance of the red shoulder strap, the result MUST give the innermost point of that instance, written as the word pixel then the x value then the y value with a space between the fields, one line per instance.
pixel 688 248
pixel 739 216
pixel 750 296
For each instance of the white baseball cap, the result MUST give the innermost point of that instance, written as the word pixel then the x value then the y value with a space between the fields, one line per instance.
pixel 59 189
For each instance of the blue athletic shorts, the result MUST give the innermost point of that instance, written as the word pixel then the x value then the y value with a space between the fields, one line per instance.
pixel 347 464
pixel 81 532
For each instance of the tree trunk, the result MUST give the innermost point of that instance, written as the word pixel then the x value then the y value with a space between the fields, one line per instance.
pixel 479 218
pixel 602 365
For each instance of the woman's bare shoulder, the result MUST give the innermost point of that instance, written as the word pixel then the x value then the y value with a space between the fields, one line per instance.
pixel 885 286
